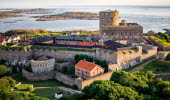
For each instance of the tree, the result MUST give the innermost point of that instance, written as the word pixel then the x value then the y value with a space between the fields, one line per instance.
pixel 108 90
pixel 6 84
pixel 130 80
pixel 2 61
pixel 3 69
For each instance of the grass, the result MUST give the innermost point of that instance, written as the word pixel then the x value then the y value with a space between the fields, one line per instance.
pixel 129 69
pixel 23 88
pixel 46 88
pixel 63 48
pixel 163 42
pixel 156 66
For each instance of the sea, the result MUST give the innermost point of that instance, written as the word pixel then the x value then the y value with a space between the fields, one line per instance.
pixel 153 18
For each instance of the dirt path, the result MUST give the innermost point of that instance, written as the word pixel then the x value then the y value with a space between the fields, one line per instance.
pixel 70 90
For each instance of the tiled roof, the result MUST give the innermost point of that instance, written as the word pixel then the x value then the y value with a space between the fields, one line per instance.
pixel 85 65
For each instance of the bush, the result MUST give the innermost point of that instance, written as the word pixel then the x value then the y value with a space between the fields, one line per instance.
pixel 30 88
pixel 65 69
pixel 3 69
pixel 74 87
pixel 2 61
pixel 168 57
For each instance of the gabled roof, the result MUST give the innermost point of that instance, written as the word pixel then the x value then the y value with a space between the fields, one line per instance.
pixel 85 65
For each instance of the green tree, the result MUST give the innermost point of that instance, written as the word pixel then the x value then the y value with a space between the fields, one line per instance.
pixel 108 90
pixel 3 69
pixel 130 80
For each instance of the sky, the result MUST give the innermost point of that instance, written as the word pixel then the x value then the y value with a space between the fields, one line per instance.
pixel 55 3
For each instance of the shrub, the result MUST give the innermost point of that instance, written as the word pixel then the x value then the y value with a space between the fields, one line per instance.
pixel 168 57
pixel 2 61
pixel 65 69
pixel 3 69
pixel 30 88
pixel 74 86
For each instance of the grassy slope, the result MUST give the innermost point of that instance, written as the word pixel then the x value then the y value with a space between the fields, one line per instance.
pixel 45 88
pixel 157 66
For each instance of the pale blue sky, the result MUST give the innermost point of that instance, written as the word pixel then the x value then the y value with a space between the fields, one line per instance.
pixel 54 3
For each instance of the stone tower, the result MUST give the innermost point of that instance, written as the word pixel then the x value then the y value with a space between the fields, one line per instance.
pixel 109 18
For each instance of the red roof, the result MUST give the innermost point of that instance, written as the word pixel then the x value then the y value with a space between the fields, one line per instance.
pixel 85 65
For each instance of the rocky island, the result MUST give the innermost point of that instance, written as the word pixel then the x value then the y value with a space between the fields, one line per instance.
pixel 68 16
pixel 18 12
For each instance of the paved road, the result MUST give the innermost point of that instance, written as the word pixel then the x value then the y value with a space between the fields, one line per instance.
pixel 141 66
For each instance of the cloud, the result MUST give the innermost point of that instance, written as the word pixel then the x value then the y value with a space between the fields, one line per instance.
pixel 47 3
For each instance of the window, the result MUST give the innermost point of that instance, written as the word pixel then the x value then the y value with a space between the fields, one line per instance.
pixel 78 73
pixel 78 69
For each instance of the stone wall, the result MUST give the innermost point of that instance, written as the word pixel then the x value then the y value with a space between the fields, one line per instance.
pixel 161 56
pixel 64 78
pixel 37 76
pixel 60 54
pixel 60 66
pixel 15 56
pixel 150 53
pixel 82 83
pixel 48 75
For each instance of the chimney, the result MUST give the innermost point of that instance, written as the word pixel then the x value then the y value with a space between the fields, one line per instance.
pixel 84 59
pixel 93 62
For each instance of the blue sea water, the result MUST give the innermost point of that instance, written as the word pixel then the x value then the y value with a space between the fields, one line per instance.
pixel 150 17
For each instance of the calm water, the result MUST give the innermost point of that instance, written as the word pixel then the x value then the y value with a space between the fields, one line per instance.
pixel 151 18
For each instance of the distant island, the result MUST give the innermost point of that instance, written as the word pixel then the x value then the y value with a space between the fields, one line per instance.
pixel 68 16
pixel 18 12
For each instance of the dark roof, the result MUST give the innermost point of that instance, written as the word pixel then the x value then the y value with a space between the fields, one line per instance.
pixel 41 39
pixel 59 93
pixel 115 44
pixel 71 37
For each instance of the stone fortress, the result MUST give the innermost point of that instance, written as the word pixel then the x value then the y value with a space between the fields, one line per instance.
pixel 108 46
pixel 111 29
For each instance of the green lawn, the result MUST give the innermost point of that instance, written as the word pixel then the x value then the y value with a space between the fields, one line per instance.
pixel 156 66
pixel 46 88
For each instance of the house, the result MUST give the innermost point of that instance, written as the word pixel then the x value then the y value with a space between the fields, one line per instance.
pixel 75 33
pixel 2 42
pixel 58 95
pixel 85 69
pixel 7 39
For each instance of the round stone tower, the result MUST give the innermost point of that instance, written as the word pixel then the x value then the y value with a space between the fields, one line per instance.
pixel 109 18
pixel 116 17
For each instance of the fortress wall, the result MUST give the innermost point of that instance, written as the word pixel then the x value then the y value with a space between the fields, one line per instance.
pixel 37 76
pixel 64 78
pixel 82 83
pixel 127 57
pixel 107 55
pixel 150 53
pixel 14 56
pixel 60 54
